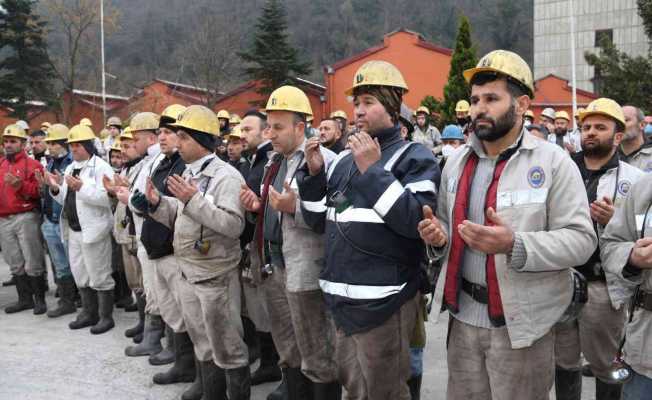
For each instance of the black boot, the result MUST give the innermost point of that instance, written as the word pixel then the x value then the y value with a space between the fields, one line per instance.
pixel 25 299
pixel 238 383
pixel 10 282
pixel 586 371
pixel 195 391
pixel 165 356
pixel 89 313
pixel 66 287
pixel 414 384
pixel 152 335
pixel 251 339
pixel 140 302
pixel 607 391
pixel 268 370
pixel 299 387
pixel 38 285
pixel 568 384
pixel 106 323
pixel 123 294
pixel 213 381
pixel 138 338
pixel 183 369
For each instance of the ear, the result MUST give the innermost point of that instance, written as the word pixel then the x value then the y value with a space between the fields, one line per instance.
pixel 618 138
pixel 522 105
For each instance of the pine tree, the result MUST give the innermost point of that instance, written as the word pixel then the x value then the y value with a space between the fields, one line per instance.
pixel 25 70
pixel 463 58
pixel 271 59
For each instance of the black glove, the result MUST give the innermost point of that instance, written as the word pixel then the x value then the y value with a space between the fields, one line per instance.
pixel 139 202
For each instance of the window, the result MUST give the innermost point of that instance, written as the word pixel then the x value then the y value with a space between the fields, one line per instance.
pixel 604 34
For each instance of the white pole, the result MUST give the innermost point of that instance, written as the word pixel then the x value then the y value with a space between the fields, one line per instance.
pixel 103 72
pixel 573 76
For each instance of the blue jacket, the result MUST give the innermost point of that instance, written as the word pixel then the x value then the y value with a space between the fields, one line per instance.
pixel 373 248
pixel 52 209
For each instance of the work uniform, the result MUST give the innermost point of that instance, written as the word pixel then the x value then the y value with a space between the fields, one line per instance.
pixel 573 138
pixel 431 138
pixel 641 158
pixel 503 307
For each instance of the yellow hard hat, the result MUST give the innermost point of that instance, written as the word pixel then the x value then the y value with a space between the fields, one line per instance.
pixel 578 112
pixel 422 109
pixel 462 106
pixel 114 121
pixel 16 131
pixel 289 98
pixel 45 126
pixel 144 121
pixel 378 73
pixel 116 145
pixel 235 133
pixel 80 133
pixel 200 119
pixel 57 132
pixel 506 63
pixel 529 113
pixel 171 113
pixel 126 134
pixel 606 107
pixel 562 115
pixel 339 114
pixel 234 119
pixel 223 114
pixel 86 121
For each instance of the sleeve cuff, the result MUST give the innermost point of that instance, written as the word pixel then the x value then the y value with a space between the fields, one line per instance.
pixel 518 257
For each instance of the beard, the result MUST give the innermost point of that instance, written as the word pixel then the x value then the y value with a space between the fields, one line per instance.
pixel 631 134
pixel 560 131
pixel 462 121
pixel 498 129
pixel 599 149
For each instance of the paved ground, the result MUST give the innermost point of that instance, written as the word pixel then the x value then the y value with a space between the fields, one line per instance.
pixel 40 358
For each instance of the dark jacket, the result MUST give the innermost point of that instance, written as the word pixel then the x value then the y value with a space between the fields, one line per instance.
pixel 52 209
pixel 254 179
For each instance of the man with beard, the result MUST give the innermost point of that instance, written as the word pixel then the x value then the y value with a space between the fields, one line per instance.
pixel 425 133
pixel 634 149
pixel 511 221
pixel 330 135
pixel 462 114
pixel 562 136
pixel 598 330
pixel 547 119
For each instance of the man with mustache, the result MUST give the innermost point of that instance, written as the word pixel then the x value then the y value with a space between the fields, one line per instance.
pixel 635 149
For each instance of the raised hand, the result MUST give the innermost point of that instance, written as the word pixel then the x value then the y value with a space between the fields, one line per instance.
pixel 153 196
pixel 365 150
pixel 430 229
pixel 313 156
pixel 249 200
pixel 495 239
pixel 283 202
pixel 181 189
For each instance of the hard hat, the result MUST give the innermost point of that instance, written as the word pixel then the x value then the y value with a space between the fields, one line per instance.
pixel 289 98
pixel 170 114
pixel 578 112
pixel 378 73
pixel 548 113
pixel 562 115
pixel 80 133
pixel 234 134
pixel 199 118
pixel 45 126
pixel 126 134
pixel 462 106
pixel 529 114
pixel 506 63
pixel 223 114
pixel 606 107
pixel 23 124
pixel 452 132
pixel 339 114
pixel 15 130
pixel 86 121
pixel 422 109
pixel 234 119
pixel 144 121
pixel 116 145
pixel 114 121
pixel 57 132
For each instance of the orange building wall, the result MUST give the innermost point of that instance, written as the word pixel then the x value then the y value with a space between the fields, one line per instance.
pixel 553 91
pixel 154 97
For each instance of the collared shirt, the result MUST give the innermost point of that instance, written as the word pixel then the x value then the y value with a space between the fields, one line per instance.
pixel 196 166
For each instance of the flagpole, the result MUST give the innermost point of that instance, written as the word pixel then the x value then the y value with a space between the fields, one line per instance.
pixel 103 71
pixel 573 76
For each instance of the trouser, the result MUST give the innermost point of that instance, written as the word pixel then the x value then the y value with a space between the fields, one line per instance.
pixel 375 364
pixel 301 329
pixel 90 262
pixel 256 306
pixel 133 271
pixel 596 333
pixel 149 274
pixel 483 366
pixel 638 388
pixel 22 247
pixel 57 248
pixel 167 275
pixel 211 310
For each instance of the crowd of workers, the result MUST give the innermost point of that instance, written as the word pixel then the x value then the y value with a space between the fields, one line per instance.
pixel 322 251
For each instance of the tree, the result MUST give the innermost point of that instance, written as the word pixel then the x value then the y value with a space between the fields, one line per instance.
pixel 271 59
pixel 645 11
pixel 25 71
pixel 463 58
pixel 434 106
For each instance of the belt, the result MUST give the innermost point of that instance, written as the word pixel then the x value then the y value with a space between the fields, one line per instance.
pixel 478 292
pixel 644 300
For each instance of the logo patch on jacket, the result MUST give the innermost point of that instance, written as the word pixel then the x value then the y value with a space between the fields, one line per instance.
pixel 536 177
pixel 624 186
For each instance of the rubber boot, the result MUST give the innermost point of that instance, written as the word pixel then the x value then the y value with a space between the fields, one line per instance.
pixel 123 294
pixel 333 390
pixel 106 323
pixel 25 299
pixel 89 313
pixel 268 370
pixel 587 371
pixel 183 369
pixel 299 387
pixel 152 335
pixel 165 356
pixel 138 338
pixel 213 381
pixel 281 391
pixel 66 302
pixel 10 282
pixel 195 391
pixel 251 339
pixel 568 384
pixel 38 285
pixel 140 302
pixel 607 391
pixel 414 384
pixel 238 383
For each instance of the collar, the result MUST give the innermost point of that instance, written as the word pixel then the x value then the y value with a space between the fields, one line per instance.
pixel 17 157
pixel 524 140
pixel 81 164
pixel 388 136
pixel 262 145
pixel 153 150
pixel 196 166
pixel 613 163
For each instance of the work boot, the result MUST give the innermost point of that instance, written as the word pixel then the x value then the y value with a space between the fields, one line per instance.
pixel 268 370
pixel 607 391
pixel 106 323
pixel 587 371
pixel 213 381
pixel 183 369
pixel 89 313
pixel 66 303
pixel 123 294
pixel 414 384
pixel 568 384
pixel 165 356
pixel 299 387
pixel 152 335
pixel 195 391
pixel 138 338
pixel 38 285
pixel 25 299
pixel 10 282
pixel 138 329
pixel 238 383
pixel 281 391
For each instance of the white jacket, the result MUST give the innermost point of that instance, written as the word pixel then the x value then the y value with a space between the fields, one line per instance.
pixel 146 167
